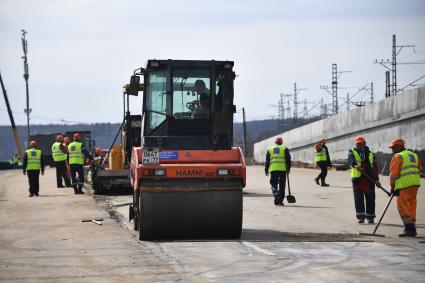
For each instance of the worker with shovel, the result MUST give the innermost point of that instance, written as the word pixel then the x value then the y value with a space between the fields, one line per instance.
pixel 405 181
pixel 364 175
pixel 278 164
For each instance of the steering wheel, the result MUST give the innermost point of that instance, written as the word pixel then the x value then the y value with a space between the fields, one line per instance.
pixel 192 105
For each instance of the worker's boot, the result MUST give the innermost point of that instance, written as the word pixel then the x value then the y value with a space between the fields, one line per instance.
pixel 317 180
pixel 409 231
pixel 75 189
pixel 323 183
pixel 80 189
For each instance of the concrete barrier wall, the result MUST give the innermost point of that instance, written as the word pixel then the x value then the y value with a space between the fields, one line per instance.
pixel 398 116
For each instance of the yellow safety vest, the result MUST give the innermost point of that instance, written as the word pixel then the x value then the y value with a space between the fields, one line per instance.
pixel 277 158
pixel 57 153
pixel 320 155
pixel 355 173
pixel 33 159
pixel 409 174
pixel 75 153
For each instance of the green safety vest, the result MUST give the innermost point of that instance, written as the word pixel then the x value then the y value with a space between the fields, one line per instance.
pixel 75 154
pixel 354 172
pixel 409 174
pixel 57 153
pixel 320 155
pixel 277 158
pixel 15 159
pixel 33 159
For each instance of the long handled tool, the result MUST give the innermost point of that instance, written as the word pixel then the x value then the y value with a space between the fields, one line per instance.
pixel 94 220
pixel 379 222
pixel 290 198
pixel 373 181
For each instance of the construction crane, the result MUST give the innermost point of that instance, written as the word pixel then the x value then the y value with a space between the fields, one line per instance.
pixel 12 121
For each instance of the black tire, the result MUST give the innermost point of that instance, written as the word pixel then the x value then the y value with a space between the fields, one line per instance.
pixel 98 189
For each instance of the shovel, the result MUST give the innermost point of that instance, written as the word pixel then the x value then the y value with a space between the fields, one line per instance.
pixel 290 198
pixel 94 220
pixel 379 222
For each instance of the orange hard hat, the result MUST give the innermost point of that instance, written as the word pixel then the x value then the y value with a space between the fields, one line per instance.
pixel 279 140
pixel 77 136
pixel 98 150
pixel 33 143
pixel 59 138
pixel 66 139
pixel 396 141
pixel 359 139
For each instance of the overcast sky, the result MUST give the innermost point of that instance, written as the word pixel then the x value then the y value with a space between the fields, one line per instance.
pixel 81 52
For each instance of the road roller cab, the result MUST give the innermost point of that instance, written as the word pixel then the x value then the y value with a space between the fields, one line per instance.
pixel 187 177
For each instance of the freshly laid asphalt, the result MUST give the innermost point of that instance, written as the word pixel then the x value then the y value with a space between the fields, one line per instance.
pixel 43 239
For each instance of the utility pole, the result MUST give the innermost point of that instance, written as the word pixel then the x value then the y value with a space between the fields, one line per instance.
pixel 244 132
pixel 26 76
pixel 334 89
pixel 394 67
pixel 348 102
pixel 335 76
pixel 288 105
pixel 387 84
pixel 296 91
pixel 281 108
pixel 396 49
pixel 305 110
pixel 371 93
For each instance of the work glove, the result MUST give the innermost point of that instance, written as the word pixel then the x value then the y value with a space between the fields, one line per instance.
pixel 394 192
pixel 378 184
pixel 25 172
pixel 267 173
pixel 42 173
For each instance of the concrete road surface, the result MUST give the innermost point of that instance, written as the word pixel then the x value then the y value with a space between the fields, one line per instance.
pixel 42 239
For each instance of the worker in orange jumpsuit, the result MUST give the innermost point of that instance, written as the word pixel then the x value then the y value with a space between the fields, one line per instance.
pixel 405 181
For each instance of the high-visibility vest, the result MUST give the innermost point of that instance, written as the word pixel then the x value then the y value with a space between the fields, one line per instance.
pixel 277 158
pixel 57 153
pixel 33 159
pixel 409 173
pixel 75 154
pixel 355 173
pixel 320 155
pixel 15 159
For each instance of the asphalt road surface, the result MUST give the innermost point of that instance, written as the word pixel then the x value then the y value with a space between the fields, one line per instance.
pixel 43 239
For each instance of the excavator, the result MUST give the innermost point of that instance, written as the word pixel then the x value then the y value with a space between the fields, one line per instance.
pixel 187 177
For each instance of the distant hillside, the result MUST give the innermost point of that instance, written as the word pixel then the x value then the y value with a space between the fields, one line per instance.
pixel 263 129
pixel 103 133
